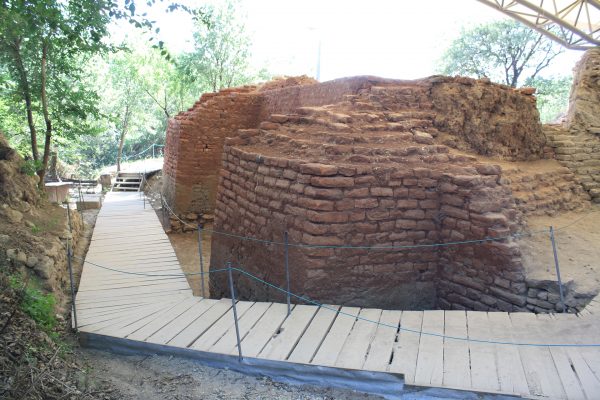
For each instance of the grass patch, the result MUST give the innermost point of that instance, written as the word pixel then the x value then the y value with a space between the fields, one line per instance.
pixel 39 306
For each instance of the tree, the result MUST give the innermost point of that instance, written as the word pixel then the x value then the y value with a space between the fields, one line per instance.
pixel 44 45
pixel 552 96
pixel 505 51
pixel 221 54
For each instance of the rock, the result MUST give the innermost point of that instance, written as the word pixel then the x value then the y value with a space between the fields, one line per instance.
pixel 13 216
pixel 423 137
pixel 4 238
pixel 44 267
pixel 191 216
pixel 31 261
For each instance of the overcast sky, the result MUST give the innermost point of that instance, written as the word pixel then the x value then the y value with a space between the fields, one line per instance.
pixel 394 38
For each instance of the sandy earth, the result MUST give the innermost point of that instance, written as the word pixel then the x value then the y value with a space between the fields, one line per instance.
pixel 186 248
pixel 578 244
pixel 166 378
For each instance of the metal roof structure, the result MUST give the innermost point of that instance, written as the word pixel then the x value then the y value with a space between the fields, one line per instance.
pixel 573 23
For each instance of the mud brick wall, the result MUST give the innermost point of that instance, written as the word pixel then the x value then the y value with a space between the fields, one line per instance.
pixel 194 146
pixel 577 145
pixel 327 205
pixel 470 109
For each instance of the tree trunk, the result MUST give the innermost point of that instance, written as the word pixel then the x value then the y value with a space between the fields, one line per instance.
pixel 122 137
pixel 48 138
pixel 27 96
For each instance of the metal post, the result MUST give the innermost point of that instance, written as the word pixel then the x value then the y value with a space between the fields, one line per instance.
pixel 152 150
pixel 556 264
pixel 201 259
pixel 235 319
pixel 69 255
pixel 287 273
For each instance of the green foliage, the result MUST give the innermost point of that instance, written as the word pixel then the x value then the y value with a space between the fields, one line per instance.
pixel 221 52
pixel 509 52
pixel 506 52
pixel 30 167
pixel 39 306
pixel 552 96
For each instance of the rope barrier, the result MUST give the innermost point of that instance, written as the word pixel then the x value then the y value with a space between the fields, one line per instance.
pixel 143 151
pixel 147 274
pixel 355 316
pixel 315 246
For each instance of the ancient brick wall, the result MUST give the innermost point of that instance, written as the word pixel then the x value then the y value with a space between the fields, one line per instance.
pixel 370 162
pixel 577 144
pixel 365 173
pixel 195 142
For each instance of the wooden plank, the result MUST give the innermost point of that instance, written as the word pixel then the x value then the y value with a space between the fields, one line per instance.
pixel 541 374
pixel 570 381
pixel 484 373
pixel 170 330
pixel 123 319
pixel 329 350
pixel 282 343
pixel 138 321
pixel 457 368
pixel 354 353
pixel 508 359
pixel 265 328
pixel 430 361
pixel 215 332
pixel 167 316
pixel 227 344
pixel 310 342
pixel 406 350
pixel 382 345
pixel 194 330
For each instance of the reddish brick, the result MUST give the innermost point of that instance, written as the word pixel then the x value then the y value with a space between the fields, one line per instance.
pixel 318 169
pixel 366 203
pixel 315 204
pixel 332 182
pixel 382 191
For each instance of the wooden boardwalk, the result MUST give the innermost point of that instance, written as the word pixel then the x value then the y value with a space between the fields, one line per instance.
pixel 161 311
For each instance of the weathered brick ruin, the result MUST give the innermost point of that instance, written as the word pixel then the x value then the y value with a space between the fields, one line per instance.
pixel 577 144
pixel 367 162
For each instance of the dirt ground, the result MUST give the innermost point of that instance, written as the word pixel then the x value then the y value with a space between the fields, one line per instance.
pixel 186 248
pixel 166 378
pixel 578 245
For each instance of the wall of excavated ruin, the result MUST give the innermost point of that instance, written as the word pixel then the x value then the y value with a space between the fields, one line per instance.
pixel 194 145
pixel 488 119
pixel 194 139
pixel 324 204
pixel 327 205
pixel 577 143
pixel 445 197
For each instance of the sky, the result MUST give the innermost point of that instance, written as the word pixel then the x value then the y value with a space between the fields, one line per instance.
pixel 390 38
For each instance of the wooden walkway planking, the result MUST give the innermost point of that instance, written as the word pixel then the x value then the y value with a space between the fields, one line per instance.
pixel 425 346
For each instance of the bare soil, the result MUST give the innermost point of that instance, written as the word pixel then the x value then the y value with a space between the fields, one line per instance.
pixel 186 248
pixel 577 239
pixel 161 378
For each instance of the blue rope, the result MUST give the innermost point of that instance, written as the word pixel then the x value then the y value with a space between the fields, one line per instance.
pixel 147 274
pixel 408 329
pixel 142 152
pixel 316 246
pixel 415 246
pixel 355 316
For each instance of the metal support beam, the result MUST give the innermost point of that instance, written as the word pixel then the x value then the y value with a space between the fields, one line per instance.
pixel 573 23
